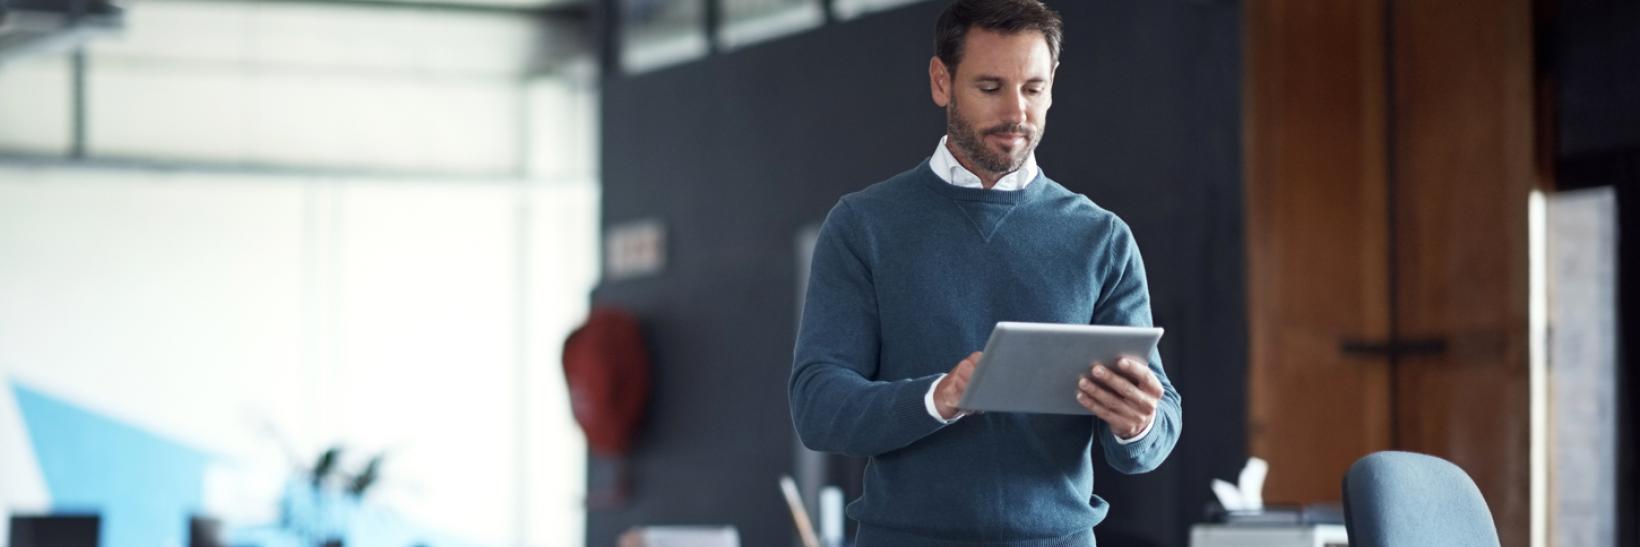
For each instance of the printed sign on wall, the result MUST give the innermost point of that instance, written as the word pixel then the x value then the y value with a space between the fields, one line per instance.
pixel 634 249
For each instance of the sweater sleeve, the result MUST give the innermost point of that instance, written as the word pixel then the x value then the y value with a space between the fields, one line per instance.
pixel 837 402
pixel 1125 300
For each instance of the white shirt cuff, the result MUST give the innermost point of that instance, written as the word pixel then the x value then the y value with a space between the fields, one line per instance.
pixel 1136 438
pixel 934 411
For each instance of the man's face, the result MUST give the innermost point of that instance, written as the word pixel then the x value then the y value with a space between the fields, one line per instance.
pixel 996 104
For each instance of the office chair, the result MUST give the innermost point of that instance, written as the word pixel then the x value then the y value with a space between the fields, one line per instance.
pixel 1402 499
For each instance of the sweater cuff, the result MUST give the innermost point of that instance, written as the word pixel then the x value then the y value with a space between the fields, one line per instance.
pixel 1140 436
pixel 934 411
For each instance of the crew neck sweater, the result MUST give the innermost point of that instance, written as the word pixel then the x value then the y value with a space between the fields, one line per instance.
pixel 908 277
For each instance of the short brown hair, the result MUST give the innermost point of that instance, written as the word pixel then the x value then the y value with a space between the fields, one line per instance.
pixel 1005 16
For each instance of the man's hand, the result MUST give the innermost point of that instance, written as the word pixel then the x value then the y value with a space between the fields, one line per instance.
pixel 1124 397
pixel 953 385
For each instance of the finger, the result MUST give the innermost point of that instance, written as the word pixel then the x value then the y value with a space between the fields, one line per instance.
pixel 1115 403
pixel 1094 370
pixel 1121 386
pixel 1086 386
pixel 1115 381
pixel 1122 422
pixel 1087 402
pixel 1140 407
pixel 1112 417
pixel 1140 374
pixel 966 366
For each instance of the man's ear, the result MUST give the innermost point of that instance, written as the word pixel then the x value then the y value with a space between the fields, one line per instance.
pixel 939 82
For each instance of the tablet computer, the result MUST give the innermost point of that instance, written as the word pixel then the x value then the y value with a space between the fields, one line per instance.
pixel 1034 367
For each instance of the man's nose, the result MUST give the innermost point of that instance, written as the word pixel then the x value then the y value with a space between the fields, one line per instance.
pixel 1015 107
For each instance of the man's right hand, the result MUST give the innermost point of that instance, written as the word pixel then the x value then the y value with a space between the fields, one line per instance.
pixel 953 385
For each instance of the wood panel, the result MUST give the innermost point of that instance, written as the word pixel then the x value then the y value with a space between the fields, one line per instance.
pixel 1463 111
pixel 1314 137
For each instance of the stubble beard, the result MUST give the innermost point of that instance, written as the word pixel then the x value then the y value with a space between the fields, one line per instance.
pixel 972 142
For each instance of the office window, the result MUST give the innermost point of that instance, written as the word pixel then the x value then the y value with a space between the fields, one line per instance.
pixel 747 22
pixel 1582 368
pixel 660 33
pixel 849 9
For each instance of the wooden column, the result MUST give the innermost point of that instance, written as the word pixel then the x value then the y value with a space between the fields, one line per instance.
pixel 1314 140
pixel 1464 167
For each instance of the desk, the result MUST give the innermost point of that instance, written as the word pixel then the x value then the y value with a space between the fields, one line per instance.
pixel 1259 535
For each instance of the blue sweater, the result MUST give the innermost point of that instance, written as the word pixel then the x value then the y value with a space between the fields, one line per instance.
pixel 908 278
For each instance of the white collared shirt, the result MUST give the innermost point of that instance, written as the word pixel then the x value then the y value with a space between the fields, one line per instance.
pixel 951 171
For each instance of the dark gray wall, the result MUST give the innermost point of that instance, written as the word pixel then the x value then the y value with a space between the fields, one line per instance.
pixel 737 152
pixel 1592 51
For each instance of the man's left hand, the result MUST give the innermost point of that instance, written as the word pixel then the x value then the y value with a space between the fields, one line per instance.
pixel 1124 396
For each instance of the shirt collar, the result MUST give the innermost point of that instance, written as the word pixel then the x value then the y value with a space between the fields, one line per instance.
pixel 952 172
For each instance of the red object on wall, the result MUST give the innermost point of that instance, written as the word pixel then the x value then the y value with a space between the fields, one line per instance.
pixel 607 368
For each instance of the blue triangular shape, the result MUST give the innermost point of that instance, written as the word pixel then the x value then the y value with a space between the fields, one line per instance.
pixel 986 216
pixel 143 485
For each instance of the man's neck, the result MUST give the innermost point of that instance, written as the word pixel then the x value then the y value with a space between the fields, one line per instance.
pixel 987 179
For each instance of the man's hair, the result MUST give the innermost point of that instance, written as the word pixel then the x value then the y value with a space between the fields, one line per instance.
pixel 1005 16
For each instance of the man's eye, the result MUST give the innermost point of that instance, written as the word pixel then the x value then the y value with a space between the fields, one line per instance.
pixel 990 89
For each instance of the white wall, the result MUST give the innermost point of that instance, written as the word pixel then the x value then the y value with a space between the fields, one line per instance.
pixel 419 318
pixel 34 111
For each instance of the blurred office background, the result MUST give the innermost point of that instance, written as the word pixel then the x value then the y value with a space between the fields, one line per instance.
pixel 238 234
pixel 244 239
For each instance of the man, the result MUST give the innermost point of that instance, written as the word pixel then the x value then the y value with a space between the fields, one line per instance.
pixel 910 275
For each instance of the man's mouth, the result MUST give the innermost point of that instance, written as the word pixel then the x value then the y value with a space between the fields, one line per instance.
pixel 1008 138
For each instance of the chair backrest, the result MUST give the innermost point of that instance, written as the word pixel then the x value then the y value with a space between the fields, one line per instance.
pixel 1402 499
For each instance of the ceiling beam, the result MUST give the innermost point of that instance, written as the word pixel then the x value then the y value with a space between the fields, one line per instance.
pixel 579 11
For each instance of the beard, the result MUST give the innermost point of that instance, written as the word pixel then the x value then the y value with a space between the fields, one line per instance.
pixel 972 142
